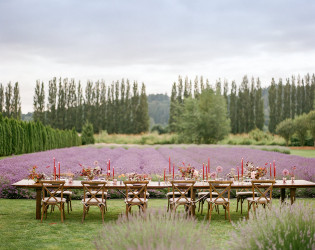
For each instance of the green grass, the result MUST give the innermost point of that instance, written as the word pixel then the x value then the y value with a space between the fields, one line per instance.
pixel 303 152
pixel 20 230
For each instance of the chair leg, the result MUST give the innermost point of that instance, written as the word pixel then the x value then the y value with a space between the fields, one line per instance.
pixel 102 208
pixel 225 210
pixel 237 200
pixel 228 208
pixel 83 216
pixel 43 208
pixel 70 201
pixel 242 200
pixel 210 212
pixel 61 211
pixel 202 202
pixel 248 208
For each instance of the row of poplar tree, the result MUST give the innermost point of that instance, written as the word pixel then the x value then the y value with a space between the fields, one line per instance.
pixel 19 137
pixel 245 104
pixel 116 108
pixel 293 99
pixel 10 100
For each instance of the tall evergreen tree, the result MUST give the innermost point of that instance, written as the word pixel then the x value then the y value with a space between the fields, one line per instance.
pixel 180 90
pixel 173 107
pixel 308 94
pixel 202 85
pixel 8 100
pixel 312 101
pixel 272 97
pixel 61 107
pixel 279 108
pixel 143 111
pixel 298 97
pixel 128 108
pixel 89 102
pixel 251 111
pixel 39 102
pixel 225 93
pixel 287 100
pixel 117 108
pixel 259 107
pixel 218 87
pixel 109 111
pixel 233 109
pixel 71 105
pixel 245 105
pixel 103 105
pixel 122 111
pixel 1 98
pixel 52 103
pixel 196 88
pixel 96 108
pixel 303 100
pixel 134 108
pixel 79 110
pixel 293 98
pixel 187 91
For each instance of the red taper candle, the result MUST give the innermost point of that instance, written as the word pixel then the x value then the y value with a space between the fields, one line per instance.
pixel 169 165
pixel 59 169
pixel 203 171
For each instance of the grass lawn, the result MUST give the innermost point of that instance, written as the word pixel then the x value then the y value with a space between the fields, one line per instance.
pixel 310 153
pixel 20 230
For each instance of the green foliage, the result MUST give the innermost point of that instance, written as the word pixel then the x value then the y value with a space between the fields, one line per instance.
pixel 155 229
pixel 87 133
pixel 258 135
pixel 311 124
pixel 160 129
pixel 301 127
pixel 285 129
pixel 203 120
pixel 159 108
pixel 284 227
pixel 19 137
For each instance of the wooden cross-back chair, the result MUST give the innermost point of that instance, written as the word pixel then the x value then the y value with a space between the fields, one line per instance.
pixel 67 193
pixel 241 195
pixel 50 190
pixel 136 195
pixel 220 188
pixel 94 195
pixel 263 190
pixel 169 193
pixel 182 194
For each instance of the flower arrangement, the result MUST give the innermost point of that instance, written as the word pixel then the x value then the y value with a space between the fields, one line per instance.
pixel 213 175
pixel 35 176
pixel 137 177
pixel 251 171
pixel 231 174
pixel 219 170
pixel 292 171
pixel 188 171
pixel 91 172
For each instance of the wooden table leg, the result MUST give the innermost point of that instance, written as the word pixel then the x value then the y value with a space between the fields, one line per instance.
pixel 193 212
pixel 38 203
pixel 292 195
pixel 282 194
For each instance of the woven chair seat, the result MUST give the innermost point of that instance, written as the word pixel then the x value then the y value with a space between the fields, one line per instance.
pixel 257 200
pixel 95 192
pixel 245 193
pixel 200 194
pixel 50 200
pixel 93 201
pixel 218 201
pixel 180 200
pixel 65 193
pixel 169 194
pixel 135 201
pixel 132 194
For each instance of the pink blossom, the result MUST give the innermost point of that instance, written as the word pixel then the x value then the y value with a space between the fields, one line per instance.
pixel 219 169
pixel 213 175
pixel 285 172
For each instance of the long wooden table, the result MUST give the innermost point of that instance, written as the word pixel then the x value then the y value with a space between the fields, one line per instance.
pixel 155 185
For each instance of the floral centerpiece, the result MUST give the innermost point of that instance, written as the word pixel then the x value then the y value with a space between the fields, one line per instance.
pixel 251 171
pixel 188 171
pixel 37 177
pixel 231 175
pixel 219 170
pixel 91 172
pixel 285 173
pixel 137 177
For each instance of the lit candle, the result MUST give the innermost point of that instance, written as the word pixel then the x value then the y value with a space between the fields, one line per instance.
pixel 238 173
pixel 59 169
pixel 169 164
pixel 203 171
pixel 164 174
pixel 173 171
pixel 209 165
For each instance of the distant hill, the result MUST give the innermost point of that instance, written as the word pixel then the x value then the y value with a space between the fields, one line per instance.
pixel 159 108
pixel 27 117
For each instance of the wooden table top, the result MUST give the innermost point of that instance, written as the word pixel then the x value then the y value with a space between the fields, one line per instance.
pixel 76 184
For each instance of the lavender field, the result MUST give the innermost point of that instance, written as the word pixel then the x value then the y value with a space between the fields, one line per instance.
pixel 151 160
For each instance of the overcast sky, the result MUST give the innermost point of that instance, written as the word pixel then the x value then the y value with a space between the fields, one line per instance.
pixel 153 41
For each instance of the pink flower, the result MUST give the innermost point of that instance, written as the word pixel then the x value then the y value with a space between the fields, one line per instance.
pixel 213 175
pixel 285 172
pixel 219 169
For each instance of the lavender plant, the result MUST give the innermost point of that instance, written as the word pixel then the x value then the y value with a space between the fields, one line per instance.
pixel 155 229
pixel 282 227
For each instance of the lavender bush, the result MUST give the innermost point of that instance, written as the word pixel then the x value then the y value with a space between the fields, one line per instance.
pixel 155 229
pixel 282 227
pixel 149 160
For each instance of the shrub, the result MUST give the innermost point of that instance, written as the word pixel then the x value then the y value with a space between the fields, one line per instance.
pixel 87 134
pixel 300 127
pixel 282 227
pixel 154 230
pixel 285 129
pixel 258 135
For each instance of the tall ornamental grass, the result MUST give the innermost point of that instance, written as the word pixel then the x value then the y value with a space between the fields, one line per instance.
pixel 281 227
pixel 155 229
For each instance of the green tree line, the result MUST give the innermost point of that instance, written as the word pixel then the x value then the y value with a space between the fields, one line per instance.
pixel 10 100
pixel 19 137
pixel 116 108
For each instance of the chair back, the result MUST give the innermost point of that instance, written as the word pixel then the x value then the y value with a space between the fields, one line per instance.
pixel 259 185
pixel 137 190
pixel 95 190
pixel 50 189
pixel 184 188
pixel 220 187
